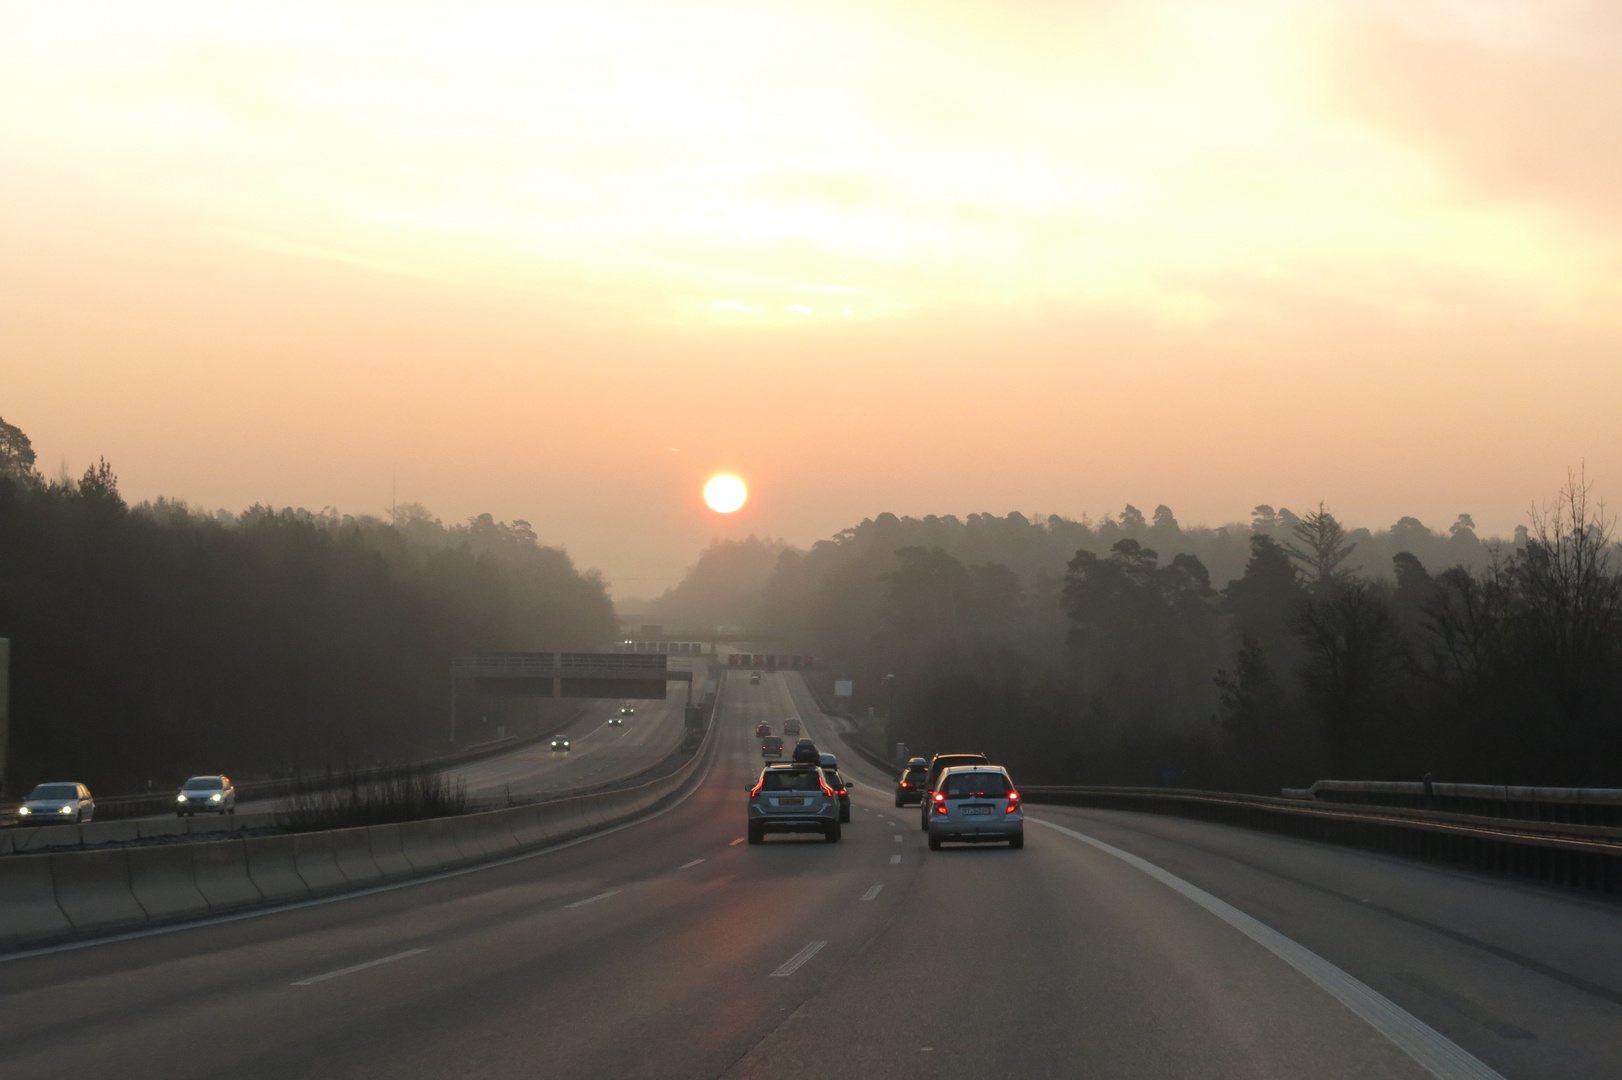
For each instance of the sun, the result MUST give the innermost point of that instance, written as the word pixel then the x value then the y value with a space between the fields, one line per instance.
pixel 724 494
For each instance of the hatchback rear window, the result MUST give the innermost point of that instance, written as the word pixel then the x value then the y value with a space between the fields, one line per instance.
pixel 784 780
pixel 991 785
pixel 203 783
pixel 917 776
pixel 55 791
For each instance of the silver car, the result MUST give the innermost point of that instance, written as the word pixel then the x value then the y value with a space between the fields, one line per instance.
pixel 206 795
pixel 975 804
pixel 793 798
pixel 57 803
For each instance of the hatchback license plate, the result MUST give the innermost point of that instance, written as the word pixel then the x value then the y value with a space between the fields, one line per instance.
pixel 790 802
pixel 972 811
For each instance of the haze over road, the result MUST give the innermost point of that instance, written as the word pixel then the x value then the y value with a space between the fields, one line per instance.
pixel 670 948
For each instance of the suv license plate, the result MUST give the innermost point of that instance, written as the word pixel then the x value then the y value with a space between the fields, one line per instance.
pixel 972 811
pixel 790 802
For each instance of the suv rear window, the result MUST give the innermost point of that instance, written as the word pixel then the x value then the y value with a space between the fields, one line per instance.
pixel 786 780
pixel 916 777
pixel 990 784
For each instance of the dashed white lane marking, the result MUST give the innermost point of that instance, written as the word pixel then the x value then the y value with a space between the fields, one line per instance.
pixel 313 979
pixel 895 860
pixel 792 964
pixel 871 893
pixel 689 865
pixel 736 842
pixel 594 899
pixel 1435 1052
pixel 898 838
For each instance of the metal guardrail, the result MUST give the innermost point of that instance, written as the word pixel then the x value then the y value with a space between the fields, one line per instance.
pixel 1585 806
pixel 1561 853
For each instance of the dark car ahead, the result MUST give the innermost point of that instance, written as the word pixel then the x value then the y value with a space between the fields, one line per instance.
pixel 841 786
pixel 806 751
pixel 912 784
pixel 939 764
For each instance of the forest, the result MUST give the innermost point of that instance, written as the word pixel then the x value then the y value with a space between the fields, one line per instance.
pixel 1247 657
pixel 155 641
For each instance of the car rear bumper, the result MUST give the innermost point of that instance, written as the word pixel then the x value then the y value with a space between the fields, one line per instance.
pixel 978 832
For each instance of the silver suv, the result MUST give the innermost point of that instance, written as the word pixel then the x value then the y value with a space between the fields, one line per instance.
pixel 793 798
pixel 976 804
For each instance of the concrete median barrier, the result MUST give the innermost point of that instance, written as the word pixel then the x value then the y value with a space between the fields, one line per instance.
pixel 28 902
pixel 46 837
pixel 495 832
pixel 273 869
pixel 220 871
pixel 164 882
pixel 163 826
pixel 352 852
pixel 444 841
pixel 210 823
pixel 465 836
pixel 313 858
pixel 387 853
pixel 93 889
pixel 417 845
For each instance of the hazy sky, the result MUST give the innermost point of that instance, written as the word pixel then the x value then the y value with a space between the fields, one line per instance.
pixel 563 261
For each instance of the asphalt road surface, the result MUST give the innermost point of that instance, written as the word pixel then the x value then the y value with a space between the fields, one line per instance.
pixel 1114 945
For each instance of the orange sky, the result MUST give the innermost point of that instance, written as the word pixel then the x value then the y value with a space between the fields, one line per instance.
pixel 564 261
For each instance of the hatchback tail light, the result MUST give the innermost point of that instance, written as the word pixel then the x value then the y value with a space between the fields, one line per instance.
pixel 940 803
pixel 1013 802
pixel 905 784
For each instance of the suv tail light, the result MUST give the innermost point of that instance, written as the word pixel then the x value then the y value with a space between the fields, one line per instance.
pixel 940 803
pixel 758 785
pixel 1013 802
pixel 826 790
pixel 905 784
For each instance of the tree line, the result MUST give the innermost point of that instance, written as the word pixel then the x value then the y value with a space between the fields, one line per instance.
pixel 1109 653
pixel 151 642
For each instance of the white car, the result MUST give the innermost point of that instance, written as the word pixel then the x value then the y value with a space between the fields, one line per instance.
pixel 206 795
pixel 975 804
pixel 57 803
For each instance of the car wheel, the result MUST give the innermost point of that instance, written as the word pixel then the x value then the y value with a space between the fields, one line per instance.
pixel 1017 840
pixel 934 842
pixel 232 811
pixel 756 835
pixel 844 817
pixel 832 834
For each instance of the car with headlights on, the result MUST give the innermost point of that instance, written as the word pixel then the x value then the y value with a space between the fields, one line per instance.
pixel 206 795
pixel 616 721
pixel 793 798
pixel 560 744
pixel 841 786
pixel 627 709
pixel 975 804
pixel 57 803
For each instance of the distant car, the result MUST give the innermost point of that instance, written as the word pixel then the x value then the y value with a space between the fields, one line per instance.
pixel 560 744
pixel 754 678
pixel 805 750
pixel 616 721
pixel 762 730
pixel 627 709
pixel 206 794
pixel 793 798
pixel 841 786
pixel 771 746
pixel 913 782
pixel 975 804
pixel 791 727
pixel 57 803
pixel 937 765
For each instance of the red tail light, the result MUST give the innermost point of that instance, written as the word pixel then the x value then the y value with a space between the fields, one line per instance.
pixel 839 791
pixel 758 785
pixel 1013 802
pixel 940 803
pixel 905 784
pixel 826 790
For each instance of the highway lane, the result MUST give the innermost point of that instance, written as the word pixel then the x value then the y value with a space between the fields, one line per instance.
pixel 671 949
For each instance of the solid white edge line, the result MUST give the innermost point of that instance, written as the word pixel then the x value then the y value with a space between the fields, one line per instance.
pixel 313 979
pixel 792 964
pixel 874 891
pixel 256 913
pixel 1430 1049
pixel 594 899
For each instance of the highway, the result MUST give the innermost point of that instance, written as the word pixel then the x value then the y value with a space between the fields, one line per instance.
pixel 1114 945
